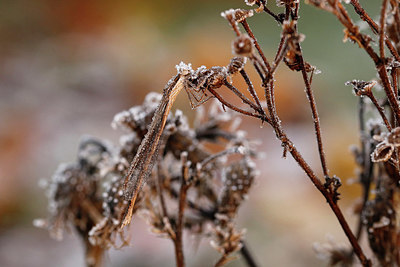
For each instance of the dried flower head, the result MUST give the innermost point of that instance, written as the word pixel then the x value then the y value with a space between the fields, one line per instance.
pixel 361 88
pixel 74 195
pixel 226 239
pixel 380 219
pixel 237 15
pixel 236 65
pixel 332 184
pixel 243 46
pixel 388 143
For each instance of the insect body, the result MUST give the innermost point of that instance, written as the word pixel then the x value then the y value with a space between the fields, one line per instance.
pixel 196 84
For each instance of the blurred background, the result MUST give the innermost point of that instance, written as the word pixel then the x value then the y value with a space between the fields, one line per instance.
pixel 66 67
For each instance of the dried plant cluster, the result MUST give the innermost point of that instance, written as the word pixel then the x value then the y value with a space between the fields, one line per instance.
pixel 190 189
pixel 182 193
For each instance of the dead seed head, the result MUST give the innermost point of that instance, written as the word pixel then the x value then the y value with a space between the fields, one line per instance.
pixel 236 65
pixel 242 46
pixel 237 15
pixel 387 143
pixel 361 88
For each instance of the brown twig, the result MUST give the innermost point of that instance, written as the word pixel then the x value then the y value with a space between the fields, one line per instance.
pixel 259 50
pixel 314 111
pixel 374 27
pixel 380 109
pixel 382 23
pixel 180 260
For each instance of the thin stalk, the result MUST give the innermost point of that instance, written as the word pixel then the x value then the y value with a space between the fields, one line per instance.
pixel 260 52
pixel 374 27
pixel 317 183
pixel 382 22
pixel 247 255
pixel 242 97
pixel 380 110
pixel 234 108
pixel 313 104
pixel 314 111
pixel 180 260
pixel 251 89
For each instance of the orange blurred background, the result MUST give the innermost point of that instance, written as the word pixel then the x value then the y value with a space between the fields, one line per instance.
pixel 66 67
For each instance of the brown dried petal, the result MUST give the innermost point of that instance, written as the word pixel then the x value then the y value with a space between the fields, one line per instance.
pixel 382 152
pixel 236 65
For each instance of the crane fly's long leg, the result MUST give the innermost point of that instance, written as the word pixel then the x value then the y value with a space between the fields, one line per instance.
pixel 197 96
pixel 146 155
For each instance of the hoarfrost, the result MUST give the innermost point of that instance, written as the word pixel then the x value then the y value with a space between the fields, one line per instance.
pixel 184 69
pixel 384 221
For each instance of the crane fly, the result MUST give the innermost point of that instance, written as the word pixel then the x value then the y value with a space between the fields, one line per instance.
pixel 146 155
pixel 196 85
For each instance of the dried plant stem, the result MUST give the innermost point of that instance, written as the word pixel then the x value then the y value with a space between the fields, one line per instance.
pixel 394 74
pixel 252 90
pixel 317 183
pixel 244 112
pixel 243 97
pixel 280 53
pixel 94 255
pixel 396 15
pixel 275 16
pixel 364 15
pixel 382 29
pixel 247 255
pixel 260 52
pixel 375 28
pixel 210 215
pixel 311 99
pixel 164 211
pixel 314 111
pixel 180 260
pixel 274 120
pixel 389 91
pixel 91 210
pixel 380 110
pixel 340 12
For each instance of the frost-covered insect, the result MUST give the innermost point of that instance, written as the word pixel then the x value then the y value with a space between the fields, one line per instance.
pixel 196 84
pixel 143 162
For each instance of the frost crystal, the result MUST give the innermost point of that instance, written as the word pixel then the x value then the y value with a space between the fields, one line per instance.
pixel 250 2
pixel 384 221
pixel 184 69
pixel 317 71
pixel 119 119
pixel 227 13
